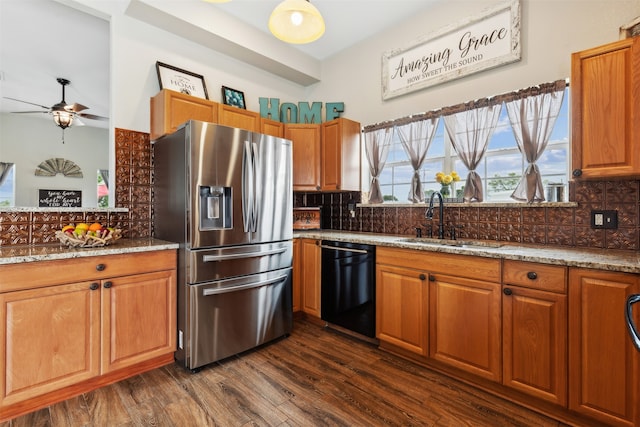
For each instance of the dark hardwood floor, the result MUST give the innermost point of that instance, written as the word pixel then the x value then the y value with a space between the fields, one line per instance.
pixel 315 377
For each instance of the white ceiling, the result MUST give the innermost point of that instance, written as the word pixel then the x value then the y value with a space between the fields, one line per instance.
pixel 41 40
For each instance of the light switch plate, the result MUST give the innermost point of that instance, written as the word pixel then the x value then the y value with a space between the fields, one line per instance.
pixel 604 219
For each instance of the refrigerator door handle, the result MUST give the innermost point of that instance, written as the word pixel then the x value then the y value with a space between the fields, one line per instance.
pixel 248 170
pixel 218 291
pixel 256 185
pixel 214 258
pixel 633 330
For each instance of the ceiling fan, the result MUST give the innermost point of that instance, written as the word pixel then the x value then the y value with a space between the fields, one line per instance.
pixel 63 114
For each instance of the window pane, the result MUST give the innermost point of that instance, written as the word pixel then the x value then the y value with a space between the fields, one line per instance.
pixel 8 189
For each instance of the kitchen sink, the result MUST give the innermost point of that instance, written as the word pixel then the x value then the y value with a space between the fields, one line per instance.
pixel 456 243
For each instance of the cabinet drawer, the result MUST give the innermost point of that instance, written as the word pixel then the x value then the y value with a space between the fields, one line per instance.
pixel 546 277
pixel 56 272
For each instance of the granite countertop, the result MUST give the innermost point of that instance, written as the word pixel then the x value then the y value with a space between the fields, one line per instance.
pixel 602 259
pixel 19 254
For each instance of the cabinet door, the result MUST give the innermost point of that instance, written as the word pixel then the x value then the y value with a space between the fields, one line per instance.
pixel 50 339
pixel 240 118
pixel 306 155
pixel 170 109
pixel 402 302
pixel 340 155
pixel 605 94
pixel 297 278
pixel 138 318
pixel 604 367
pixel 465 321
pixel 535 342
pixel 310 274
pixel 272 127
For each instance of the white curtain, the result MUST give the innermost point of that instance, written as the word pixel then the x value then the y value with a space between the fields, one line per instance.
pixel 469 132
pixel 532 119
pixel 416 138
pixel 376 144
pixel 4 171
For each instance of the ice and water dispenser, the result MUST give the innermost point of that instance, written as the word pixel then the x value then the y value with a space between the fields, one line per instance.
pixel 215 208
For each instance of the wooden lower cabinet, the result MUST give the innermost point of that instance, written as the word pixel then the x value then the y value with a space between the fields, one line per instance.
pixel 402 308
pixel 534 329
pixel 296 275
pixel 465 327
pixel 63 339
pixel 310 276
pixel 604 367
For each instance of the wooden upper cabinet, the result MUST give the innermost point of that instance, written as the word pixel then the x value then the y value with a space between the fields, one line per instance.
pixel 170 109
pixel 340 155
pixel 605 102
pixel 235 117
pixel 271 127
pixel 306 155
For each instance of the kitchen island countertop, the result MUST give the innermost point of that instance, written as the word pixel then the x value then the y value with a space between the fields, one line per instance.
pixel 20 254
pixel 602 259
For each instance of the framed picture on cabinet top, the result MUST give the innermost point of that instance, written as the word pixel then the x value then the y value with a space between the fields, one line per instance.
pixel 233 97
pixel 183 81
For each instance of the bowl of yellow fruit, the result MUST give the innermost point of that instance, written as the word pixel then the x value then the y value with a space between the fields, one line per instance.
pixel 83 235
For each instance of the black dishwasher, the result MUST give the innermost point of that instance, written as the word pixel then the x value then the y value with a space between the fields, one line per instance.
pixel 349 286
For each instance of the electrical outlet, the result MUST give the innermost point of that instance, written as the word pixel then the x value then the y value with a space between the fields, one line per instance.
pixel 604 219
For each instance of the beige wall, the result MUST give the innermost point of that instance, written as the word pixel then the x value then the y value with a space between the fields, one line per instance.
pixel 551 30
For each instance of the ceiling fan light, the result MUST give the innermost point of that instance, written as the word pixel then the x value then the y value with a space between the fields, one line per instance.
pixel 296 21
pixel 62 118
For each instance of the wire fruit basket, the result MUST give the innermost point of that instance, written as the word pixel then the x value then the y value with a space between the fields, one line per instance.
pixel 88 240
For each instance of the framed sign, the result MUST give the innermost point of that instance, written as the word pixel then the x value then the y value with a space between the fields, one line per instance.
pixel 485 41
pixel 183 81
pixel 59 198
pixel 233 97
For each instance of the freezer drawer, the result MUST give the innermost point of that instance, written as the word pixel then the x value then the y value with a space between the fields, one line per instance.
pixel 234 315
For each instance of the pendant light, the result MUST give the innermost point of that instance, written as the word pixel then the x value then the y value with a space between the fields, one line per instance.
pixel 296 21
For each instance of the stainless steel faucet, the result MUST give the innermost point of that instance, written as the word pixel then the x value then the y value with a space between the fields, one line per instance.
pixel 429 213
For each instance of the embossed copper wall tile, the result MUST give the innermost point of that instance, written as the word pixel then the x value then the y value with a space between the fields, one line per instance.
pixel 14 233
pixel 468 230
pixel 589 192
pixel 10 217
pixel 586 237
pixel 534 233
pixel 627 213
pixel 390 220
pixel 560 235
pixel 487 231
pixel 71 217
pixel 101 217
pixel 622 238
pixel 620 192
pixel 377 220
pixel 141 176
pixel 469 214
pixel 509 232
pixel 488 215
pixel 560 216
pixel 47 217
pixel 366 221
pixel 582 214
pixel 404 222
pixel 510 215
pixel 534 215
pixel 43 233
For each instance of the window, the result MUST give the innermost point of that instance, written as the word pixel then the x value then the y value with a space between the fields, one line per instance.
pixel 501 168
pixel 103 188
pixel 7 185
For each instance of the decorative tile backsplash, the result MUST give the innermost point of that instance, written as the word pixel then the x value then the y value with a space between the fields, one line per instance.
pixel 529 224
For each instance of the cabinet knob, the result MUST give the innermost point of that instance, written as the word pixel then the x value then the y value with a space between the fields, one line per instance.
pixel 107 285
pixel 507 291
pixel 94 286
pixel 577 173
pixel 532 275
pixel 100 267
pixel 422 277
pixel 432 278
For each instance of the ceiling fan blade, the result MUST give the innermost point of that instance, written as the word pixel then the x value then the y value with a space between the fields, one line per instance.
pixel 29 112
pixel 91 116
pixel 77 121
pixel 27 102
pixel 75 107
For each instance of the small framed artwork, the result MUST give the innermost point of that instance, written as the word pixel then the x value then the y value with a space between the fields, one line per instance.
pixel 233 97
pixel 182 81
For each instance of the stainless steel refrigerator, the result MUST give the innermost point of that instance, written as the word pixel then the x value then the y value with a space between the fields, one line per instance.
pixel 226 196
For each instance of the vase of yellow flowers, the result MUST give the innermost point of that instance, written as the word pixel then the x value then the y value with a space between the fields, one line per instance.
pixel 446 182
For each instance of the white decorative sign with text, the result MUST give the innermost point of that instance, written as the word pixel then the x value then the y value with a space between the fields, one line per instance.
pixel 476 44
